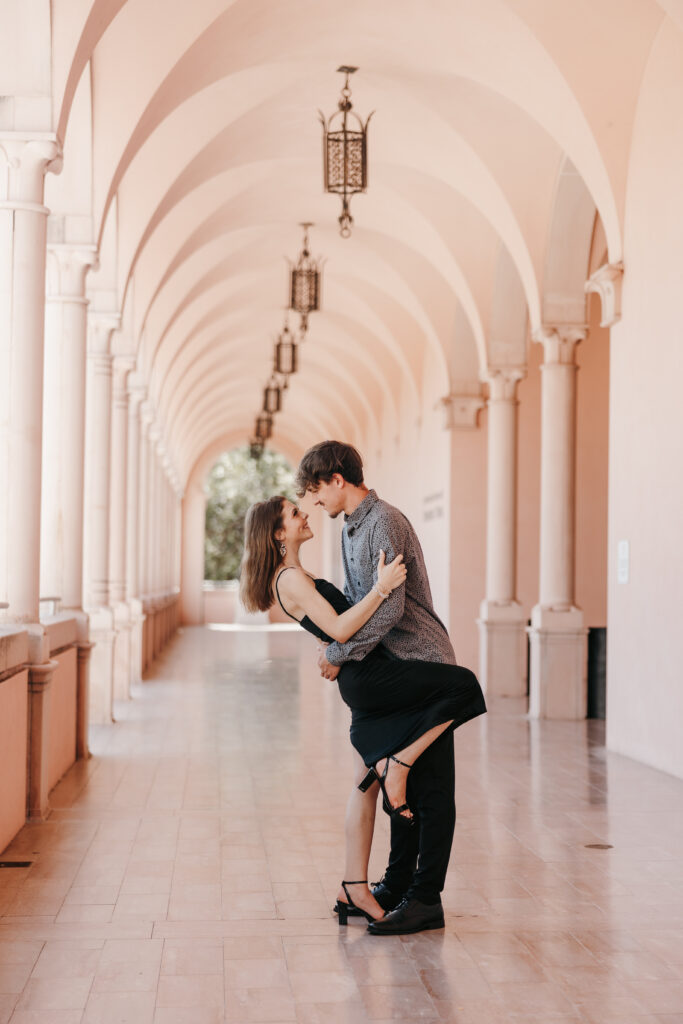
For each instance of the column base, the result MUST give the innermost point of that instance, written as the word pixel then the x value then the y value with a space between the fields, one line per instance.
pixel 122 626
pixel 39 679
pixel 102 635
pixel 502 649
pixel 137 618
pixel 558 664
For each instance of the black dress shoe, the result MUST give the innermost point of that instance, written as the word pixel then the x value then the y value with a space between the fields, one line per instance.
pixel 408 917
pixel 387 899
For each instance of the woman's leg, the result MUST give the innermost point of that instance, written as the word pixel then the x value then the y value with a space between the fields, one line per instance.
pixel 359 826
pixel 397 775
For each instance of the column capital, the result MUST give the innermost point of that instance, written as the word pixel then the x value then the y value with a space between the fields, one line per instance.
pixel 123 367
pixel 137 392
pixel 66 269
pixel 461 411
pixel 559 342
pixel 503 381
pixel 101 326
pixel 606 282
pixel 29 156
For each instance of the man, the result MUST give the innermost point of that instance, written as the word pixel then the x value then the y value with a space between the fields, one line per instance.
pixel 408 628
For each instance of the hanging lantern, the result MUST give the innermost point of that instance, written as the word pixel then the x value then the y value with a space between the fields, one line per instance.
pixel 304 288
pixel 286 353
pixel 255 448
pixel 264 426
pixel 345 152
pixel 272 396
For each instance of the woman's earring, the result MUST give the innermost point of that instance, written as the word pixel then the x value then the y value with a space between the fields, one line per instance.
pixel 283 549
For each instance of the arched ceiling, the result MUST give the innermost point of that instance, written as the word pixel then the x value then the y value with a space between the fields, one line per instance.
pixel 206 153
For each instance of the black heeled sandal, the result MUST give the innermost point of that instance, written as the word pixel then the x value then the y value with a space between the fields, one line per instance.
pixel 346 910
pixel 393 812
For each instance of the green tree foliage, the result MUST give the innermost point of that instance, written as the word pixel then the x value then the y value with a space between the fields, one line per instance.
pixel 236 482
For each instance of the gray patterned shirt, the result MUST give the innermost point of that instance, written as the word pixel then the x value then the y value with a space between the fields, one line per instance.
pixel 405 623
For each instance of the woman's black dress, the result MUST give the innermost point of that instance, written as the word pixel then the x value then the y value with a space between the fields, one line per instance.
pixel 394 702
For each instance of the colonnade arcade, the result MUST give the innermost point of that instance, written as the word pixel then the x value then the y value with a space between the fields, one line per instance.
pixel 473 340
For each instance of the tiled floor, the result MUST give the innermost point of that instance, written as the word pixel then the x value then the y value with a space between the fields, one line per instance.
pixel 187 872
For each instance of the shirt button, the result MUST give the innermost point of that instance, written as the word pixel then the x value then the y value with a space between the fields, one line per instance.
pixel 358 582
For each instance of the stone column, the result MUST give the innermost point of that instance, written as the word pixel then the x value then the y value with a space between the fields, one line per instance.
pixel 61 542
pixel 162 541
pixel 146 419
pixel 152 513
pixel 193 516
pixel 97 512
pixel 502 637
pixel 123 365
pixel 557 635
pixel 24 160
pixel 136 396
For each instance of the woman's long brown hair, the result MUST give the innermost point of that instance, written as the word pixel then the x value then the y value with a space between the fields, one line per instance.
pixel 262 557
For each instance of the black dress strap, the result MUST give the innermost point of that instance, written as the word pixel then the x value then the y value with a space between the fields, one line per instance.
pixel 278 593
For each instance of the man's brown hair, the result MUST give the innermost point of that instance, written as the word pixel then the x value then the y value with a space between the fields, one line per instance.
pixel 323 460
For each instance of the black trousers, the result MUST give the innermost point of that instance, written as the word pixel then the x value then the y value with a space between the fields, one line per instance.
pixel 419 856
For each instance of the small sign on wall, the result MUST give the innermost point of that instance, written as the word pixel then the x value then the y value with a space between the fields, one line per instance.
pixel 433 506
pixel 623 561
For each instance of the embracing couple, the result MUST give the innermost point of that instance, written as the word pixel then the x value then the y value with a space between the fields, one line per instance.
pixel 395 668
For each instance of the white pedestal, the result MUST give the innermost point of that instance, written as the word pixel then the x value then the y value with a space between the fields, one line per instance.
pixel 502 649
pixel 558 664
pixel 102 665
pixel 122 640
pixel 136 620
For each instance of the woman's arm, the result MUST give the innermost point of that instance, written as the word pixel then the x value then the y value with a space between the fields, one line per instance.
pixel 299 590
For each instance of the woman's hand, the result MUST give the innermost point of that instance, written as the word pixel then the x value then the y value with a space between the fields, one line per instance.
pixel 392 575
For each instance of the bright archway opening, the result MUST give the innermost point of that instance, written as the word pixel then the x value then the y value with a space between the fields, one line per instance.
pixel 234 482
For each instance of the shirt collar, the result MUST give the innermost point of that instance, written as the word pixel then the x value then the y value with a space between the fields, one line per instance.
pixel 359 514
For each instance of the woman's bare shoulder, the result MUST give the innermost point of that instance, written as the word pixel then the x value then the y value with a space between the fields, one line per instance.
pixel 293 579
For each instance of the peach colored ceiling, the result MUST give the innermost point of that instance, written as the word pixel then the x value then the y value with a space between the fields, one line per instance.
pixel 206 153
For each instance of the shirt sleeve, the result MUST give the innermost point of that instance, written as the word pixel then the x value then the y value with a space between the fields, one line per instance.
pixel 390 536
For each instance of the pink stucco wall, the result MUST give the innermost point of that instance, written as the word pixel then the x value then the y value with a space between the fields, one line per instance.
pixel 63 690
pixel 467 539
pixel 13 740
pixel 644 684
pixel 592 459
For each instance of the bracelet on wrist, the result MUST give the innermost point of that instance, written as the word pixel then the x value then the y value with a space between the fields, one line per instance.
pixel 382 593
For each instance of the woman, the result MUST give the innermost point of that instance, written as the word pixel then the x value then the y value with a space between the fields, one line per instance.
pixel 392 722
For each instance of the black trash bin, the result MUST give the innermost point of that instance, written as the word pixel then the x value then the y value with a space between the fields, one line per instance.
pixel 597 672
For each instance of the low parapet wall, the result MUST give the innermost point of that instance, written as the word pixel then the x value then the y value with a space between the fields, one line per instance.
pixel 39 724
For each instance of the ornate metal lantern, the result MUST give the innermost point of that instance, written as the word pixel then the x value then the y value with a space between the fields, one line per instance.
pixel 272 396
pixel 286 353
pixel 345 151
pixel 264 426
pixel 304 288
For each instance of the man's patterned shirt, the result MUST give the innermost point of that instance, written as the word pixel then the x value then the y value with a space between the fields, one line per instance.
pixel 405 624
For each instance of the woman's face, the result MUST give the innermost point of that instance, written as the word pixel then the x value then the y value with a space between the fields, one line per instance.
pixel 295 528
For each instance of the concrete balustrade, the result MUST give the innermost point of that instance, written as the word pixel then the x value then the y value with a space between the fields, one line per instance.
pixel 43 720
pixel 162 617
pixel 13 730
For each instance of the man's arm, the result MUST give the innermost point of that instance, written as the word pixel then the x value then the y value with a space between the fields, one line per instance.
pixel 390 538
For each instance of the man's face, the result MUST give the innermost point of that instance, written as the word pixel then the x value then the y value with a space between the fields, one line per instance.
pixel 330 496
